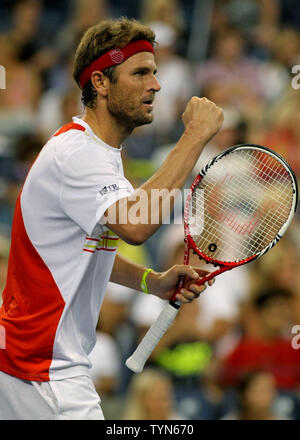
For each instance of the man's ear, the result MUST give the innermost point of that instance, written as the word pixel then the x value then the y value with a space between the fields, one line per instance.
pixel 100 82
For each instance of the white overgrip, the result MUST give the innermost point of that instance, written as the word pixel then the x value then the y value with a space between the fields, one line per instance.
pixel 138 359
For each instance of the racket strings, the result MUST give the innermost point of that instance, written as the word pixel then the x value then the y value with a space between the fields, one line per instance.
pixel 263 234
pixel 245 208
pixel 250 206
pixel 218 239
pixel 215 236
pixel 252 183
pixel 251 209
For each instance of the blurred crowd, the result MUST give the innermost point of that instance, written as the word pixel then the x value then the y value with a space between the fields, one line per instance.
pixel 228 355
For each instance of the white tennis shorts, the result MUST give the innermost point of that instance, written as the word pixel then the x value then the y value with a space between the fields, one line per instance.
pixel 68 399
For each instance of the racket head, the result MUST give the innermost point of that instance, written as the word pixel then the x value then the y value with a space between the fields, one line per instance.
pixel 240 205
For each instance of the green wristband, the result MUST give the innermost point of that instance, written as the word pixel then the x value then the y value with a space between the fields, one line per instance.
pixel 144 286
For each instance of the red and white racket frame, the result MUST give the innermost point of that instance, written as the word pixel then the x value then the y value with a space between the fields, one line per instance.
pixel 138 359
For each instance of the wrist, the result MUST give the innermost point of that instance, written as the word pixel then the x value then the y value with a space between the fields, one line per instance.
pixel 144 283
pixel 150 281
pixel 194 137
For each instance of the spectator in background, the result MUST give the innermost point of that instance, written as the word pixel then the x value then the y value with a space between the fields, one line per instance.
pixel 26 16
pixel 256 395
pixel 230 66
pixel 83 14
pixel 282 128
pixel 279 269
pixel 271 348
pixel 31 37
pixel 247 16
pixel 275 77
pixel 287 47
pixel 166 11
pixel 150 397
pixel 19 103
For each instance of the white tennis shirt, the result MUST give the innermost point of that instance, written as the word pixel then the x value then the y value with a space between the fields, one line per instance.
pixel 61 257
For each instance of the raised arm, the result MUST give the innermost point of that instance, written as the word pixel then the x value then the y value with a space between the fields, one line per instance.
pixel 202 120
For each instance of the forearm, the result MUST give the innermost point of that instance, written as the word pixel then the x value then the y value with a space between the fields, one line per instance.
pixel 178 165
pixel 161 189
pixel 161 284
pixel 130 274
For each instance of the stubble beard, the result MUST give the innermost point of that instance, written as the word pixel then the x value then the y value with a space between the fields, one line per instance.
pixel 126 117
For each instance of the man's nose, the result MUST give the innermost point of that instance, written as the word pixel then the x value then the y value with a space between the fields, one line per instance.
pixel 155 86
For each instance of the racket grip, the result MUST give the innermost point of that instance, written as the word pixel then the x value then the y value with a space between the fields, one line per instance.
pixel 138 359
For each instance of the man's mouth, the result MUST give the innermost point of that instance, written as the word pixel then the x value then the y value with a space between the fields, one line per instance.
pixel 148 101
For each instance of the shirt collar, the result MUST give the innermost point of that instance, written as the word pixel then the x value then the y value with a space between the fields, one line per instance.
pixel 84 124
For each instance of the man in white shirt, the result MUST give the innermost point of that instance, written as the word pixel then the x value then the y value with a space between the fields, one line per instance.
pixel 67 221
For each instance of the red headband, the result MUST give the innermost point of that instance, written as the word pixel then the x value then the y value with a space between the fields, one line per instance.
pixel 114 57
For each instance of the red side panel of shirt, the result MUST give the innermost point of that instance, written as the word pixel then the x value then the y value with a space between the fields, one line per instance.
pixel 32 305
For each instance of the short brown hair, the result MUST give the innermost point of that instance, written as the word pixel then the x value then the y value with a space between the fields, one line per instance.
pixel 102 37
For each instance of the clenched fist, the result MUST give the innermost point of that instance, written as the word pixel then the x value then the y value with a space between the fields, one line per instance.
pixel 202 119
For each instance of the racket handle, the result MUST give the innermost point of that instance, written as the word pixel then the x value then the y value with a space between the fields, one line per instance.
pixel 138 359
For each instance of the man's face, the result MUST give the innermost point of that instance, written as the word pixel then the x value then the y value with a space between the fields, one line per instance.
pixel 130 98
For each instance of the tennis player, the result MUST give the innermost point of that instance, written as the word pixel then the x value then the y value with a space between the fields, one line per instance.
pixel 74 206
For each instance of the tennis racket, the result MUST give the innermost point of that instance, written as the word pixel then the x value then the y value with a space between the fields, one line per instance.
pixel 238 208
